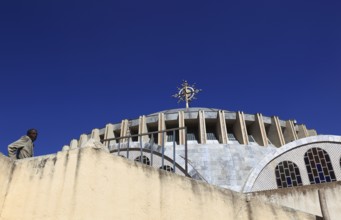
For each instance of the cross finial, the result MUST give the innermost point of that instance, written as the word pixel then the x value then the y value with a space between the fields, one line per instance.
pixel 186 93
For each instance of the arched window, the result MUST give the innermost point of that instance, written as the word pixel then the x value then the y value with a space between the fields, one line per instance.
pixel 319 166
pixel 144 160
pixel 287 175
pixel 167 168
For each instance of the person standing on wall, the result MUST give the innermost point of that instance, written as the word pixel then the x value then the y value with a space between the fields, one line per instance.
pixel 23 148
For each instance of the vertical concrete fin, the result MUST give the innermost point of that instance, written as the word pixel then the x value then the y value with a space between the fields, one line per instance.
pixel 73 144
pixel 245 135
pixel 293 129
pixel 82 140
pixel 161 126
pixel 95 134
pixel 202 127
pixel 221 127
pixel 302 131
pixel 258 130
pixel 181 118
pixel 239 128
pixel 124 130
pixel 289 132
pixel 65 148
pixel 143 129
pixel 275 133
pixel 312 132
pixel 280 132
pixel 108 133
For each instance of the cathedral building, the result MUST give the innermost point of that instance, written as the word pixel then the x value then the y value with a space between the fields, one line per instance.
pixel 175 163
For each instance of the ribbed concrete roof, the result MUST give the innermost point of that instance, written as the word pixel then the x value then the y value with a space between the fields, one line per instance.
pixel 195 109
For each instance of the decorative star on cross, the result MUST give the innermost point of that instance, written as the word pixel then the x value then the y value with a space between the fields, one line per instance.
pixel 186 93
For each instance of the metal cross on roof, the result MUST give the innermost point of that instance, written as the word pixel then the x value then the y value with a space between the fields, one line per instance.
pixel 186 93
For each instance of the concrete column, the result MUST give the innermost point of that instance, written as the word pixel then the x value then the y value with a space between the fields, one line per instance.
pixel 221 127
pixel 323 204
pixel 108 134
pixel 143 129
pixel 239 128
pixel 275 133
pixel 289 132
pixel 82 140
pixel 202 127
pixel 312 132
pixel 73 144
pixel 124 130
pixel 95 134
pixel 161 126
pixel 181 118
pixel 302 131
pixel 258 130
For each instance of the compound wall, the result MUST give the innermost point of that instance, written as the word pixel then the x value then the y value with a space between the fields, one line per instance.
pixel 307 198
pixel 88 183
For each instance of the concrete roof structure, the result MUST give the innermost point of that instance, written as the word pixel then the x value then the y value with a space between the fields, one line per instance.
pixel 233 150
pixel 228 162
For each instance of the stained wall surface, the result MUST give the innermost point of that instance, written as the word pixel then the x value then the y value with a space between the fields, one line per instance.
pixel 88 183
pixel 307 199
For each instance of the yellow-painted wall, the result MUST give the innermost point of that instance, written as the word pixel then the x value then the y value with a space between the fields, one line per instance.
pixel 89 183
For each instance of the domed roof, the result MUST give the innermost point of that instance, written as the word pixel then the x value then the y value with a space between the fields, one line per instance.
pixel 194 109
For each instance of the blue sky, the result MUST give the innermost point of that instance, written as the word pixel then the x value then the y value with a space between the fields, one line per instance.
pixel 70 66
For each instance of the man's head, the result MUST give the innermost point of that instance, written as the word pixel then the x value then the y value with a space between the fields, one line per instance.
pixel 32 133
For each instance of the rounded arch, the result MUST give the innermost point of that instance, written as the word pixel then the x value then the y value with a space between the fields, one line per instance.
pixel 255 172
pixel 167 168
pixel 287 174
pixel 130 153
pixel 319 166
pixel 143 159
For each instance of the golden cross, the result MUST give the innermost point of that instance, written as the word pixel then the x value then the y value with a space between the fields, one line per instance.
pixel 186 93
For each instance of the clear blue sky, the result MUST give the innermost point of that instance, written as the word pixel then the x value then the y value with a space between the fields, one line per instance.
pixel 70 66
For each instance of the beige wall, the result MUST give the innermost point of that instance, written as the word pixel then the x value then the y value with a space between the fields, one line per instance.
pixel 306 198
pixel 91 184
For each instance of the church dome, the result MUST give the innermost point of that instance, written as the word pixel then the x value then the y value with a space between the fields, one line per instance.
pixel 218 146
